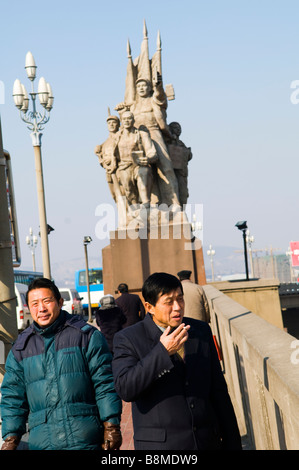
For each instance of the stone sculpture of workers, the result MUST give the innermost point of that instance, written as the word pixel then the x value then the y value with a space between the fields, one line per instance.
pixel 107 156
pixel 136 154
pixel 180 155
pixel 149 109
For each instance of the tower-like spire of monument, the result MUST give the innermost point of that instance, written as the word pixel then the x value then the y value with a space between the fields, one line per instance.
pixel 130 78
pixel 144 66
pixel 129 49
pixel 159 42
pixel 156 61
pixel 145 36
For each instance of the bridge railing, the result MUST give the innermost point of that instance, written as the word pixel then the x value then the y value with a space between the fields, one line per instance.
pixel 261 366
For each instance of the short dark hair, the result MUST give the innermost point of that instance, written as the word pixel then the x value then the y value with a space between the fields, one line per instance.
pixel 122 288
pixel 185 274
pixel 158 284
pixel 43 283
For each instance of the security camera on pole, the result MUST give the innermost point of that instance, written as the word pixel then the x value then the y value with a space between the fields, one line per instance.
pixel 36 122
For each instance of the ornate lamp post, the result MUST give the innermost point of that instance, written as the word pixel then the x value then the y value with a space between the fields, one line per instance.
pixel 211 253
pixel 31 241
pixel 195 227
pixel 36 121
pixel 289 253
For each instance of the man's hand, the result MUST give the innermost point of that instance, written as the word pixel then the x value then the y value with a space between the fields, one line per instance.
pixel 112 436
pixel 142 161
pixel 11 443
pixel 172 342
pixel 157 79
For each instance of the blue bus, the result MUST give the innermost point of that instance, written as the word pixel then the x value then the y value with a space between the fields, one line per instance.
pixel 26 277
pixel 95 286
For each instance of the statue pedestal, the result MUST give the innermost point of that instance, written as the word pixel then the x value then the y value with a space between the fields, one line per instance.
pixel 135 254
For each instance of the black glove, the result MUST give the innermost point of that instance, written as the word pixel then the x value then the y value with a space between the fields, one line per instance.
pixel 112 436
pixel 10 443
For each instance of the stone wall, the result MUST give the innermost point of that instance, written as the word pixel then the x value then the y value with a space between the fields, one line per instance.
pixel 260 296
pixel 261 367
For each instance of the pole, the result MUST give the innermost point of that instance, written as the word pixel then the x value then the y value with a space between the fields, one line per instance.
pixel 33 259
pixel 251 262
pixel 212 268
pixel 8 318
pixel 245 254
pixel 42 209
pixel 87 283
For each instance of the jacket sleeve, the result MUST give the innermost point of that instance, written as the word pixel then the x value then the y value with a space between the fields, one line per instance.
pixel 14 404
pixel 99 363
pixel 134 374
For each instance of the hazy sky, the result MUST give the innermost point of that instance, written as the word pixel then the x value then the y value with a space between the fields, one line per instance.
pixel 231 63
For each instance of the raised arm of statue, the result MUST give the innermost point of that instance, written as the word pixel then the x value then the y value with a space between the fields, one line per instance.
pixel 159 95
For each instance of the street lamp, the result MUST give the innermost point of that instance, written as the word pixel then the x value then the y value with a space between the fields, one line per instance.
pixel 242 225
pixel 289 253
pixel 211 253
pixel 86 241
pixel 31 241
pixel 195 225
pixel 36 122
pixel 250 240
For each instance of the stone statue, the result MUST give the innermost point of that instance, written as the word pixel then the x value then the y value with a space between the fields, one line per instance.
pixel 180 155
pixel 145 161
pixel 146 98
pixel 136 153
pixel 107 156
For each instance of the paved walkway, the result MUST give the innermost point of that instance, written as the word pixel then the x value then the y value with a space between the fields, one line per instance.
pixel 127 427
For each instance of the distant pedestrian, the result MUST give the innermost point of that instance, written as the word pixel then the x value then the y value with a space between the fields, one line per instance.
pixel 131 305
pixel 109 318
pixel 196 304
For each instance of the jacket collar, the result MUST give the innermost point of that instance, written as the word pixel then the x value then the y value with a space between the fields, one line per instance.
pixel 54 327
pixel 153 331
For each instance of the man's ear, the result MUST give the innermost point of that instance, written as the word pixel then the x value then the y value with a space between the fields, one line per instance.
pixel 149 307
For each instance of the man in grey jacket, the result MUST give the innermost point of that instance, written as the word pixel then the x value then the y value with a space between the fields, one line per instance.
pixel 196 304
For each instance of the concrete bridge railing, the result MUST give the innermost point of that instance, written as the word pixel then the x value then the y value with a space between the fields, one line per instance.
pixel 261 367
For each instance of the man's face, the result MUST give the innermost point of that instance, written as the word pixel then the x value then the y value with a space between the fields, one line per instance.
pixel 143 88
pixel 43 306
pixel 127 120
pixel 169 309
pixel 113 125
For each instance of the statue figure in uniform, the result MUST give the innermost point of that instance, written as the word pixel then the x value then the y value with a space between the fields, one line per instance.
pixel 107 155
pixel 180 156
pixel 136 155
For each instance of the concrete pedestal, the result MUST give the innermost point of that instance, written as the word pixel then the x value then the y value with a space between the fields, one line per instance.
pixel 135 254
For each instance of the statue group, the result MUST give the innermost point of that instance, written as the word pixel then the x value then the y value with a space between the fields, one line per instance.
pixel 145 161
